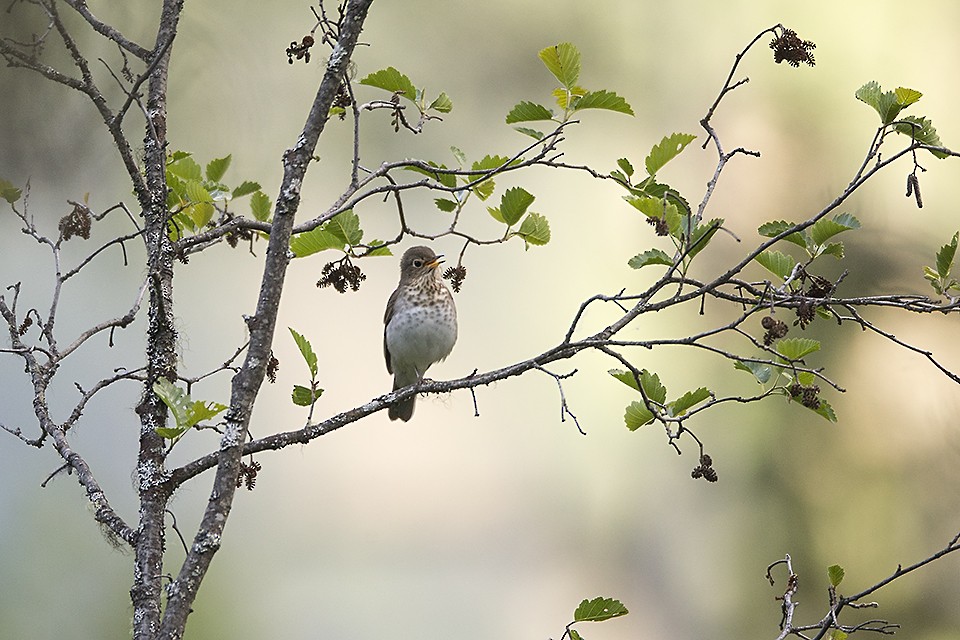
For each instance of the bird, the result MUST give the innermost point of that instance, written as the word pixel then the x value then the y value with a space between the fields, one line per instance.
pixel 419 324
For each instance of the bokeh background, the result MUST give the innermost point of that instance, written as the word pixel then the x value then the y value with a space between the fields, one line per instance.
pixel 453 526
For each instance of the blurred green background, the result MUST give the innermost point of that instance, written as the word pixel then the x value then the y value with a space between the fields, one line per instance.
pixel 459 527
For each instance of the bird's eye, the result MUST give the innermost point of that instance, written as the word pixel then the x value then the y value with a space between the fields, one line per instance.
pixel 418 263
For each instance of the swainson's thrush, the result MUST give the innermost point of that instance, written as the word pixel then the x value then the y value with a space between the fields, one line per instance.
pixel 420 324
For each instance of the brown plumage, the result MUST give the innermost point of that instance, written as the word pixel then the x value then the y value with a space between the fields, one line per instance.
pixel 419 325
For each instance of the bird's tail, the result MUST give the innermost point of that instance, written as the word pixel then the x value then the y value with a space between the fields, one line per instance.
pixel 402 410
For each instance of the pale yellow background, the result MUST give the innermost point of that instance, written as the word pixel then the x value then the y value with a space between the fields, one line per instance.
pixel 472 528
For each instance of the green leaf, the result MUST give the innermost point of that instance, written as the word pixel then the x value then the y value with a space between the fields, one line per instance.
pixel 489 163
pixel 603 100
pixel 834 249
pixel 656 208
pixel 260 206
pixel 625 165
pixel 186 412
pixel 575 635
pixel 9 192
pixel 200 213
pixel 196 192
pixel 793 349
pixel 310 242
pixel 702 234
pixel 837 634
pixel 921 130
pixel 906 97
pixel 304 396
pixel 652 256
pixel 761 372
pixel 528 112
pixel 513 204
pixel 185 168
pixel 566 97
pixel 667 149
pixel 563 61
pixel 598 610
pixel 650 382
pixel 216 168
pixel 826 411
pixel 306 350
pixel 246 188
pixel 945 257
pixel 835 573
pixel 447 206
pixel 346 226
pixel 535 230
pixel 885 104
pixel 533 133
pixel 824 229
pixel 443 103
pixel 391 80
pixel 776 227
pixel 459 155
pixel 688 400
pixel 379 248
pixel 637 415
pixel 777 263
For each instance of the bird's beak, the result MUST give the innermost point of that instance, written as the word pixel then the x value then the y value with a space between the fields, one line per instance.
pixel 436 263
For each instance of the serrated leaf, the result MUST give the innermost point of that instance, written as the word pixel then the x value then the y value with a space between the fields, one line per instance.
pixel 824 229
pixel 186 412
pixel 665 191
pixel 666 150
pixel 217 167
pixel 834 249
pixel 443 104
pixel 637 415
pixel 563 61
pixel 513 204
pixel 246 188
pixel 495 213
pixel 9 192
pixel 906 97
pixel 777 263
pixel 260 206
pixel 702 234
pixel 921 130
pixel 490 162
pixel 196 192
pixel 775 227
pixel 185 168
pixel 626 377
pixel 528 112
pixel 603 100
pixel 946 255
pixel 688 400
pixel 304 396
pixel 848 220
pixel 533 133
pixel 565 97
pixel 884 103
pixel 793 349
pixel 314 241
pixel 391 80
pixel 761 372
pixel 535 230
pixel 656 208
pixel 447 206
pixel 306 350
pixel 575 635
pixel 378 248
pixel 346 226
pixel 459 155
pixel 652 256
pixel 625 165
pixel 598 610
pixel 200 213
pixel 835 573
pixel 826 411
